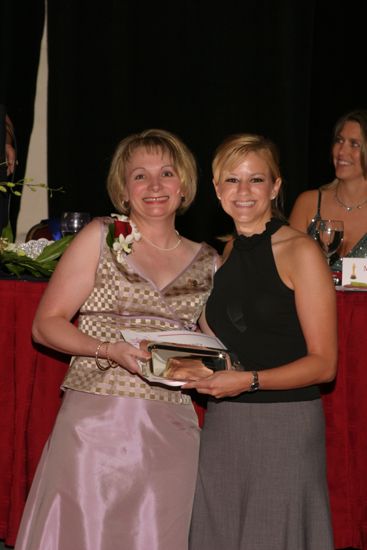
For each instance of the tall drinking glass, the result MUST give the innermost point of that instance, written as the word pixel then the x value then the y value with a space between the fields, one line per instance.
pixel 329 235
pixel 72 222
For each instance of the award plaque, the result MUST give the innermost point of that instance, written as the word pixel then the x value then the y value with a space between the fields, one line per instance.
pixel 168 358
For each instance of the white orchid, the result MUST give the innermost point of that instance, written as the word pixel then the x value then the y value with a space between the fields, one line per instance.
pixel 122 234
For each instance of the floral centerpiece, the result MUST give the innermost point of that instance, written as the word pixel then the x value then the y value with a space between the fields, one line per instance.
pixel 15 258
pixel 35 258
pixel 9 188
pixel 121 236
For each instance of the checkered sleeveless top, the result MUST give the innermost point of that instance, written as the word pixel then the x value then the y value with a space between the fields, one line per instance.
pixel 121 299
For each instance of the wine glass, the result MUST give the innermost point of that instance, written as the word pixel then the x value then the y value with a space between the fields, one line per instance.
pixel 72 222
pixel 329 235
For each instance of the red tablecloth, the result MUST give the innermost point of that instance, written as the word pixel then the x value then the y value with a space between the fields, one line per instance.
pixel 30 398
pixel 345 405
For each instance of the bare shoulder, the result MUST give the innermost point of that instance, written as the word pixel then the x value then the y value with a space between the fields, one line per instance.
pixel 309 196
pixel 85 246
pixel 289 240
pixel 74 275
pixel 95 225
pixel 297 254
pixel 306 201
pixel 304 209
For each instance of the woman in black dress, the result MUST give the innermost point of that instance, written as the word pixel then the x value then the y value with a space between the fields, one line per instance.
pixel 262 482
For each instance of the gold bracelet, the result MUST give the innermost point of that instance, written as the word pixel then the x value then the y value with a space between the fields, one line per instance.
pixel 96 355
pixel 111 363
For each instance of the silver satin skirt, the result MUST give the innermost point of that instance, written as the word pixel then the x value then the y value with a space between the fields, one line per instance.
pixel 116 473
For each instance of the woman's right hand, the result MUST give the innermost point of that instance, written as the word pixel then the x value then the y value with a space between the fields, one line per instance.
pixel 127 356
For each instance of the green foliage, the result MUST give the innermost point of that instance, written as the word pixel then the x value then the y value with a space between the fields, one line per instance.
pixel 7 233
pixel 17 262
pixel 42 266
pixel 11 187
pixel 110 235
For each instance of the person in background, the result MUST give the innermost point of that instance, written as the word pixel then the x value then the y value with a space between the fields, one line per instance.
pixel 120 466
pixel 345 198
pixel 10 153
pixel 262 475
pixel 7 164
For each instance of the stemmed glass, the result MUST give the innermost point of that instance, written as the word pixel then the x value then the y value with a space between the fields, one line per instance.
pixel 329 235
pixel 72 222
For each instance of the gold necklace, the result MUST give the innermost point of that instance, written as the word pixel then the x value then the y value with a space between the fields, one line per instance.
pixel 345 206
pixel 179 239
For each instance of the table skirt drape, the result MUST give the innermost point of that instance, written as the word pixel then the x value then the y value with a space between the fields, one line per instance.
pixel 345 406
pixel 29 399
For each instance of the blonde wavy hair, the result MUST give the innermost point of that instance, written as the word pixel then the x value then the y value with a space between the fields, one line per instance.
pixel 152 140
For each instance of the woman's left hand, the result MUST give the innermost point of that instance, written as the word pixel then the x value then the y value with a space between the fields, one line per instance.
pixel 226 383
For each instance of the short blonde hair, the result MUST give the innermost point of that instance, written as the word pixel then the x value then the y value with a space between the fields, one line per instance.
pixel 235 147
pixel 152 140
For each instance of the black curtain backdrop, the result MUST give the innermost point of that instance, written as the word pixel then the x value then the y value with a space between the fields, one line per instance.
pixel 200 71
pixel 21 28
pixel 282 68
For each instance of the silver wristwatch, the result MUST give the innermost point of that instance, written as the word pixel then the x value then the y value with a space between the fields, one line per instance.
pixel 255 385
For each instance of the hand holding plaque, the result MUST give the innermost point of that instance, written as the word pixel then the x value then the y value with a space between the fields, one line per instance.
pixel 184 362
pixel 176 354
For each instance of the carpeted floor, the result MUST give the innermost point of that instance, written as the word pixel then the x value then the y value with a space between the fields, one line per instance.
pixel 3 547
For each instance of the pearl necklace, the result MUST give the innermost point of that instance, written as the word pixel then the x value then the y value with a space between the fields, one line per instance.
pixel 179 240
pixel 346 207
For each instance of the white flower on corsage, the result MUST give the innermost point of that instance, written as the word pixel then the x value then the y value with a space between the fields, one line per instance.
pixel 121 236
